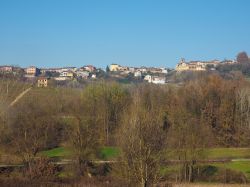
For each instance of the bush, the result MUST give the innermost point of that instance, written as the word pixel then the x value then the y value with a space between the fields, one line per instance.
pixel 40 169
pixel 213 174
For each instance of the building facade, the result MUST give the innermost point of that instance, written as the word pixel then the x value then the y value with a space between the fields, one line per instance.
pixel 191 66
pixel 32 71
pixel 42 82
pixel 6 68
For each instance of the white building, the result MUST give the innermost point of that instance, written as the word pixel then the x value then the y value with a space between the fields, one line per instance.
pixel 89 68
pixel 137 74
pixel 64 69
pixel 155 79
pixel 61 78
pixel 67 74
pixel 142 69
pixel 164 70
pixel 82 74
pixel 132 69
pixel 158 80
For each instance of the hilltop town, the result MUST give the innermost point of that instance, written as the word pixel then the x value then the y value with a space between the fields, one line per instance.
pixel 201 65
pixel 87 72
pixel 124 74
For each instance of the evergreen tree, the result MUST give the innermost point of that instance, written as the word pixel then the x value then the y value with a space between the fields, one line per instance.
pixel 107 69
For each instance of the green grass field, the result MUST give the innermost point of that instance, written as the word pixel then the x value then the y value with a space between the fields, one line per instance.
pixel 242 166
pixel 230 153
pixel 105 153
pixel 109 153
pixel 112 152
pixel 57 152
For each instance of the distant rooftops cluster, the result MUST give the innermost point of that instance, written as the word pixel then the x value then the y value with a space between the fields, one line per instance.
pixel 200 65
pixel 154 75
pixel 150 74
pixel 143 69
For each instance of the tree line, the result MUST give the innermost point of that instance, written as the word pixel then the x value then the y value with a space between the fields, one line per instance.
pixel 146 122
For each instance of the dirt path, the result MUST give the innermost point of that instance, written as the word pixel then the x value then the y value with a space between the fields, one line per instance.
pixel 19 97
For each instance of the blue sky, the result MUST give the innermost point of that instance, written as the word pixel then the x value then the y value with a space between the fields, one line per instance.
pixel 55 33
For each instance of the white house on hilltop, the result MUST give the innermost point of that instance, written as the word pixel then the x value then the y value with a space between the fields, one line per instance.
pixel 155 79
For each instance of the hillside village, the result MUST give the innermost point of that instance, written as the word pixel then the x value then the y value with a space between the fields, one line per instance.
pixel 155 75
pixel 88 72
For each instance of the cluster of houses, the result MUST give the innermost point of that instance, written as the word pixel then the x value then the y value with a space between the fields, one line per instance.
pixel 149 74
pixel 65 73
pixel 59 74
pixel 200 65
pixel 6 68
pixel 10 69
pixel 126 69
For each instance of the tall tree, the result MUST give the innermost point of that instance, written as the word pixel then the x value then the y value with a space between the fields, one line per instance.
pixel 106 102
pixel 187 136
pixel 142 139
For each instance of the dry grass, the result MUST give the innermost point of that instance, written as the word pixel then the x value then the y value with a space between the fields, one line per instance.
pixel 211 185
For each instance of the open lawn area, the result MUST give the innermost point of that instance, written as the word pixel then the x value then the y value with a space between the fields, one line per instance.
pixel 112 152
pixel 105 153
pixel 109 153
pixel 230 153
pixel 242 166
pixel 57 152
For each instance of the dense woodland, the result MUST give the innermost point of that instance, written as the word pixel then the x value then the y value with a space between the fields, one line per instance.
pixel 151 125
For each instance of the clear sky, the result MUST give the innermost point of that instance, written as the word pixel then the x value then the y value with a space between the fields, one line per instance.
pixel 53 33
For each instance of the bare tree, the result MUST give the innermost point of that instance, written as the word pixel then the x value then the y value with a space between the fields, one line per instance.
pixel 82 132
pixel 83 139
pixel 142 141
pixel 187 135
pixel 105 102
